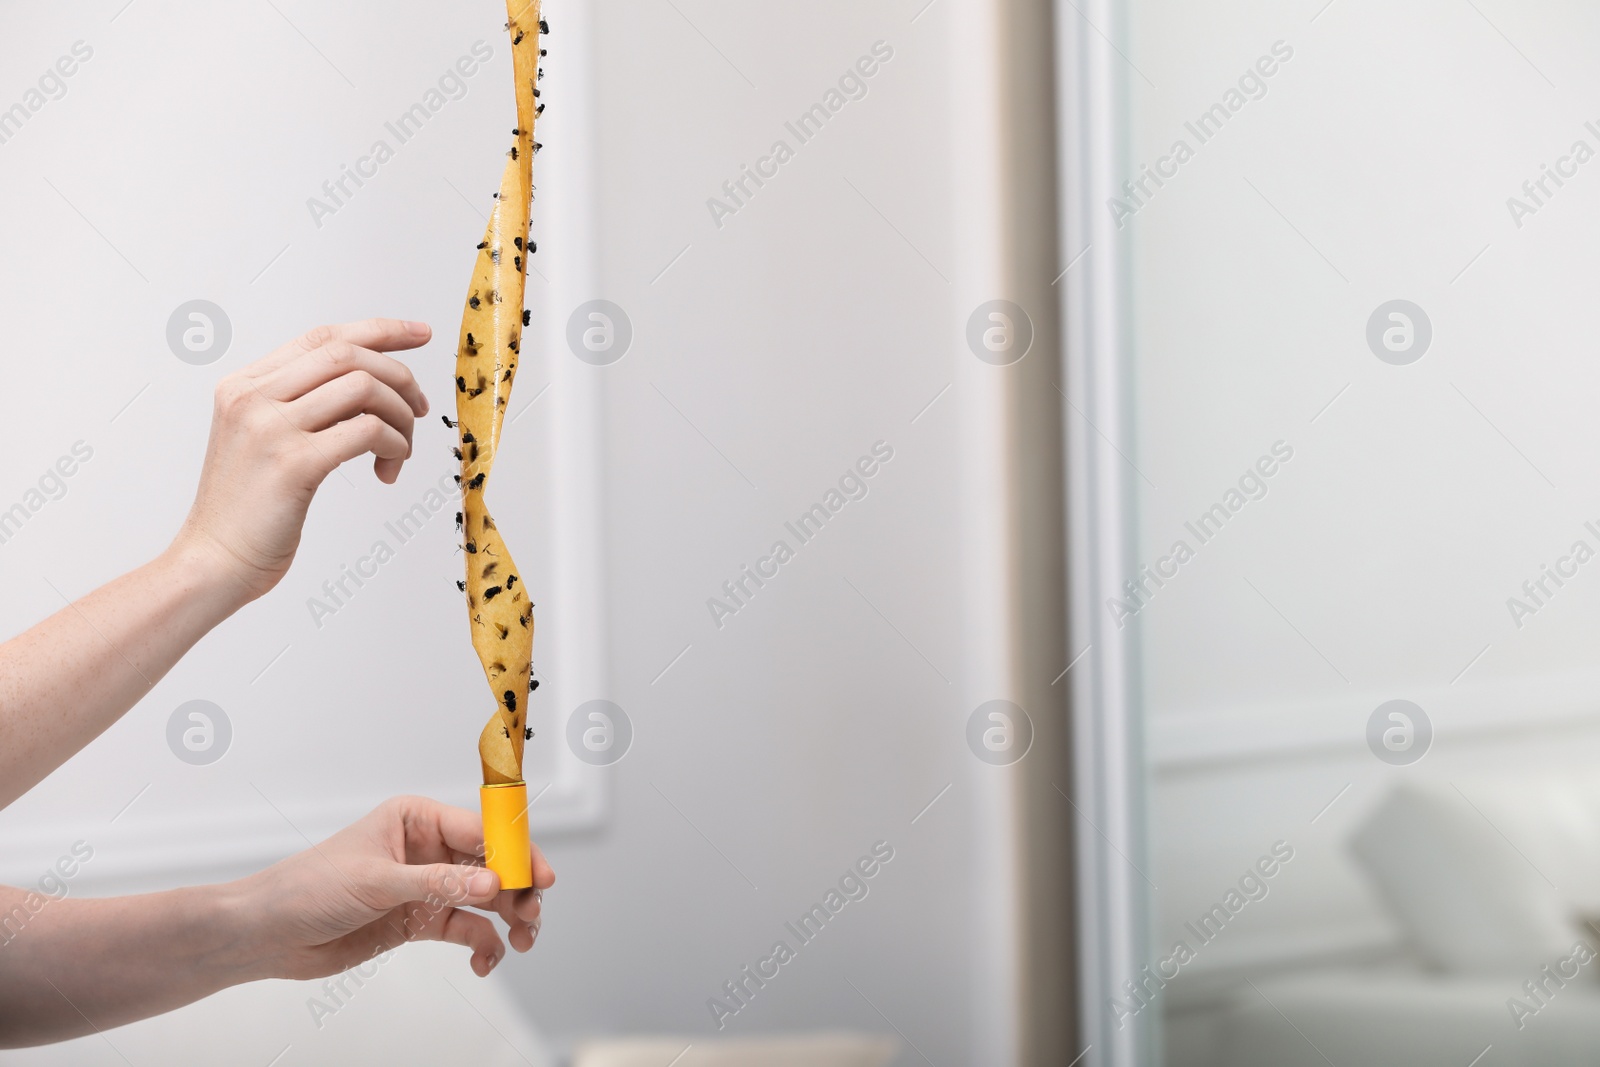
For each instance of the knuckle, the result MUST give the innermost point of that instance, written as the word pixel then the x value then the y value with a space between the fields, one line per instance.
pixel 339 352
pixel 396 812
pixel 361 384
pixel 445 885
pixel 258 415
pixel 316 337
pixel 406 377
pixel 231 394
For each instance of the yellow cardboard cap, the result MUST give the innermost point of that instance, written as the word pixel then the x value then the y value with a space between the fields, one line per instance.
pixel 506 848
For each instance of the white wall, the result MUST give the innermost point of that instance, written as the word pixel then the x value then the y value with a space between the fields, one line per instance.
pixel 777 350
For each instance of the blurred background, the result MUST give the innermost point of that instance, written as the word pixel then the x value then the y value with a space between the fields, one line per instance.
pixel 1207 645
pixel 1358 317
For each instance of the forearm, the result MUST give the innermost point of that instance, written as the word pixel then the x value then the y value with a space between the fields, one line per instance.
pixel 73 967
pixel 65 681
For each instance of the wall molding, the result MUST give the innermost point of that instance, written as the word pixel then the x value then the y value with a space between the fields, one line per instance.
pixel 1302 726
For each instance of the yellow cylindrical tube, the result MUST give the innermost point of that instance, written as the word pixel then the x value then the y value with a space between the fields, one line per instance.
pixel 506 850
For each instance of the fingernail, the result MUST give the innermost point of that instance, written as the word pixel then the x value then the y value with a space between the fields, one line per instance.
pixel 417 327
pixel 481 884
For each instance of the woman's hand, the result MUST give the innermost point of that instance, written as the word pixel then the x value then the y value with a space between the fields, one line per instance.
pixel 406 872
pixel 281 426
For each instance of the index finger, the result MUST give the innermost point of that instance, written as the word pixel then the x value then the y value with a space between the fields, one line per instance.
pixel 430 825
pixel 298 378
pixel 380 335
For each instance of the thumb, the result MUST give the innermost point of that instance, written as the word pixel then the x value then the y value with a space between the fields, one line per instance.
pixel 439 884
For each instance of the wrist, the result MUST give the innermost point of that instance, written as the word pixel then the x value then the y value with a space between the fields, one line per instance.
pixel 205 571
pixel 222 946
pixel 254 947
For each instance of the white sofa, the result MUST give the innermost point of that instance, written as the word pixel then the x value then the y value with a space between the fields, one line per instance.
pixel 1357 1020
pixel 1490 883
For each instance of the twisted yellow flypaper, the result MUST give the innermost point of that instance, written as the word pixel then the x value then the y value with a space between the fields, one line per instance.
pixel 498 606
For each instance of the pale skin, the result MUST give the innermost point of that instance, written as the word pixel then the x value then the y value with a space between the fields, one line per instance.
pixel 410 870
